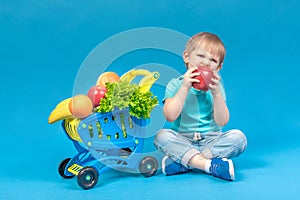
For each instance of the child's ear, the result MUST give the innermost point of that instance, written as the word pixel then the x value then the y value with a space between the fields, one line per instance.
pixel 185 56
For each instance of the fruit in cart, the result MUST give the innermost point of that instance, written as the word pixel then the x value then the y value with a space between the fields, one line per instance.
pixel 96 93
pixel 122 94
pixel 81 106
pixel 107 77
pixel 205 78
pixel 61 111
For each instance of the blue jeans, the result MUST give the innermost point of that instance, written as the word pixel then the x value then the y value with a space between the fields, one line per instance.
pixel 181 147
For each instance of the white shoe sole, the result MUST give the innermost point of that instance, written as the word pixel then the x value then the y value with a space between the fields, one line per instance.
pixel 163 165
pixel 231 168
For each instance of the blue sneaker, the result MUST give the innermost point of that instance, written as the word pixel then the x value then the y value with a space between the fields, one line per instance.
pixel 170 167
pixel 222 168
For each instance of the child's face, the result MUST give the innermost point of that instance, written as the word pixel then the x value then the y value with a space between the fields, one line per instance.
pixel 199 57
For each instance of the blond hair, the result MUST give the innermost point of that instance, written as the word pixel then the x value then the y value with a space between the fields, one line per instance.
pixel 209 42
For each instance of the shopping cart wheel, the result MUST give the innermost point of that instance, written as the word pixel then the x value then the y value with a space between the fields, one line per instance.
pixel 87 178
pixel 62 167
pixel 148 166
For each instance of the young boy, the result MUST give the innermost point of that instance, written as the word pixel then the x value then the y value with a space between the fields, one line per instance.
pixel 195 139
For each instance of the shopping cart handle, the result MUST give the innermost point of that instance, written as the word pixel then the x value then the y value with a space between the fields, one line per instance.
pixel 146 82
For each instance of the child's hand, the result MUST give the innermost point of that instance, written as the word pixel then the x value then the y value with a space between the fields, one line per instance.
pixel 189 77
pixel 214 86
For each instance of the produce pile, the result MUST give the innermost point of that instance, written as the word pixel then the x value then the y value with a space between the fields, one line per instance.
pixel 110 92
pixel 122 94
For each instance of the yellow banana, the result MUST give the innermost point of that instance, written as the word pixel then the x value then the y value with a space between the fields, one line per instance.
pixel 61 111
pixel 71 125
pixel 130 75
pixel 147 82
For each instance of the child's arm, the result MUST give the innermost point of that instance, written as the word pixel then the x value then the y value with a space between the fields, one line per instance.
pixel 221 112
pixel 173 106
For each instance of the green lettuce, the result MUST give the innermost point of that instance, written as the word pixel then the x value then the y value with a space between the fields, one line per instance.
pixel 123 94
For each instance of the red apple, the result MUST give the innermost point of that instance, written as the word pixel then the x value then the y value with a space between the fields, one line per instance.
pixel 96 93
pixel 205 78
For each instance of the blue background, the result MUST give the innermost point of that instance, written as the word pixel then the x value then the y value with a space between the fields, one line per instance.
pixel 43 44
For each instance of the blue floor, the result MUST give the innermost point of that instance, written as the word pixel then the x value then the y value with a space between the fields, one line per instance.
pixel 259 175
pixel 47 47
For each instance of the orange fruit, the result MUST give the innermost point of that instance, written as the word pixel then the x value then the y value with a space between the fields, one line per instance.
pixel 81 106
pixel 107 77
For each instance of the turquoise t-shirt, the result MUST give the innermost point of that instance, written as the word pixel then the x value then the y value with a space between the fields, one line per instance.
pixel 197 113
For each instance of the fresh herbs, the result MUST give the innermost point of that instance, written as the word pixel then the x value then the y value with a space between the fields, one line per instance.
pixel 122 94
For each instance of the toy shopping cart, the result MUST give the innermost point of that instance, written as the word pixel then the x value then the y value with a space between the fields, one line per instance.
pixel 104 141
